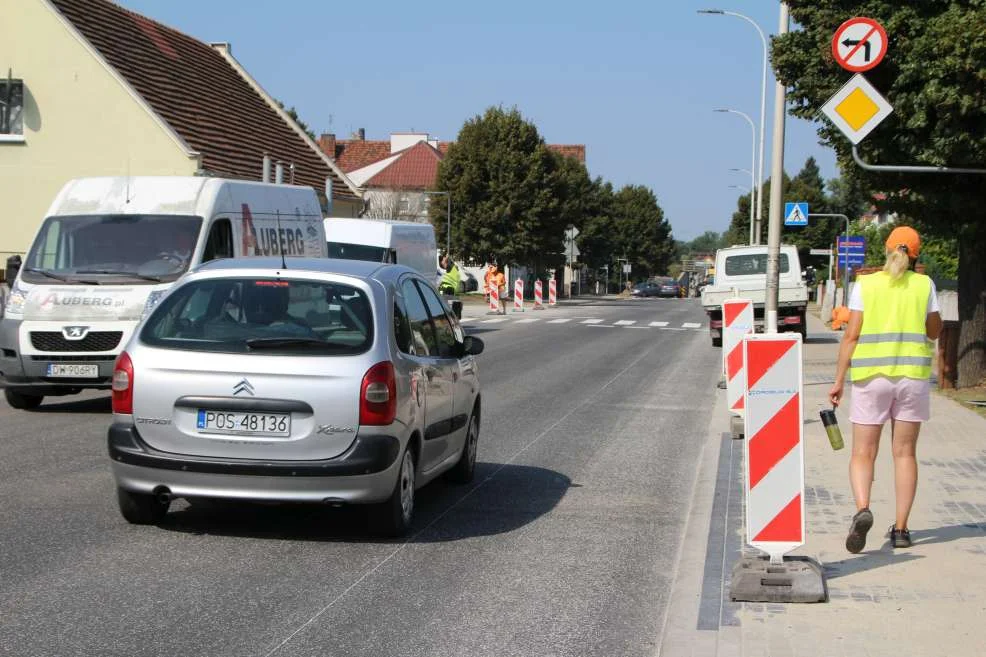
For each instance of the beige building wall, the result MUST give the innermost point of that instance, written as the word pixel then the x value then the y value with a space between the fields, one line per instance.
pixel 79 120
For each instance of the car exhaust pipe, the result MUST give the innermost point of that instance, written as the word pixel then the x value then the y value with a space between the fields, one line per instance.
pixel 163 495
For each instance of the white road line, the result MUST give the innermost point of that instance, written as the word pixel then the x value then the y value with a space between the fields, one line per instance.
pixel 467 319
pixel 660 324
pixel 601 326
pixel 691 325
pixel 558 321
pixel 495 320
pixel 528 320
pixel 625 322
pixel 592 321
pixel 646 328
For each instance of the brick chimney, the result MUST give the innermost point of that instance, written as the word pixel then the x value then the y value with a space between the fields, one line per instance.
pixel 327 142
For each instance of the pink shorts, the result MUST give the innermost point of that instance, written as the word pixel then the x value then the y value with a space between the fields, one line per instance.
pixel 878 399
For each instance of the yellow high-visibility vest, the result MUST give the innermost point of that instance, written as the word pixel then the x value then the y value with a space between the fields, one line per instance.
pixel 893 341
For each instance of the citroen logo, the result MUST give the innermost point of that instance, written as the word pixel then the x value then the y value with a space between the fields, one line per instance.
pixel 75 332
pixel 243 386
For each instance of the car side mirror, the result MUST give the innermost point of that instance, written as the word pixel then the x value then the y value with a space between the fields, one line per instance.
pixel 472 346
pixel 13 267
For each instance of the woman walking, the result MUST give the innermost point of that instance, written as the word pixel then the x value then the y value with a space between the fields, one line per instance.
pixel 887 350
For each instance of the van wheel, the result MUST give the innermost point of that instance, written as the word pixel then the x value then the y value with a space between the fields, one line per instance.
pixel 394 516
pixel 22 401
pixel 465 469
pixel 141 508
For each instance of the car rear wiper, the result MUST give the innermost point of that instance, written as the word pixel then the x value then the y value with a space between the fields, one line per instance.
pixel 120 272
pixel 59 277
pixel 278 343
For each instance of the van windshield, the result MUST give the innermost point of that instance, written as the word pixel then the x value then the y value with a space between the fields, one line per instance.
pixel 104 249
pixel 344 251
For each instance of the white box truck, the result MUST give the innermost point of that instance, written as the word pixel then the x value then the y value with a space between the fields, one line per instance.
pixel 741 271
pixel 109 248
pixel 377 240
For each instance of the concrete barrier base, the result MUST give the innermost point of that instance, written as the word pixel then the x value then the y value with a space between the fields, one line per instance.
pixel 736 427
pixel 796 579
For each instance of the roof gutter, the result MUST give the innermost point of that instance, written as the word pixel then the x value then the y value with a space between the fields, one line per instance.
pixel 225 50
pixel 194 155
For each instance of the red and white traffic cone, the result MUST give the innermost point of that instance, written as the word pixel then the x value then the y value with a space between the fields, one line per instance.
pixel 519 296
pixel 552 293
pixel 538 296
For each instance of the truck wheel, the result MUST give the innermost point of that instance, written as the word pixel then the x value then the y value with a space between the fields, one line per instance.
pixel 717 342
pixel 22 401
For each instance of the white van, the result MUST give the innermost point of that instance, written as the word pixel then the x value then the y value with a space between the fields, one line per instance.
pixel 402 242
pixel 108 250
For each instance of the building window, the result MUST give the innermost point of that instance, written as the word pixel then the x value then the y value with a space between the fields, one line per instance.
pixel 404 206
pixel 11 107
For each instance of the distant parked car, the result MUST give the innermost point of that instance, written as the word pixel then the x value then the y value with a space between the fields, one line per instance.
pixel 326 381
pixel 667 287
pixel 467 282
pixel 645 289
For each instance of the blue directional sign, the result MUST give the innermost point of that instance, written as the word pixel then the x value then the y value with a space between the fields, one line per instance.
pixel 854 248
pixel 796 214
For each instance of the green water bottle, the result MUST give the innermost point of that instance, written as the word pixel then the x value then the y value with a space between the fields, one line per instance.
pixel 831 425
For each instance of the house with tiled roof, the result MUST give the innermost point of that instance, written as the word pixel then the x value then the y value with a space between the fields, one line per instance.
pixel 99 90
pixel 395 174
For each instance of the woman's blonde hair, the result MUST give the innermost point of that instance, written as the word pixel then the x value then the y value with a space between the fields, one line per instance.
pixel 897 263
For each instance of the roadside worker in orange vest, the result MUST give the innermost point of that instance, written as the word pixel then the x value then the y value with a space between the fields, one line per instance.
pixel 499 281
pixel 887 348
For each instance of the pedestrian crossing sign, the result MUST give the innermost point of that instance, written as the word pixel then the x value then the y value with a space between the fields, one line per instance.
pixel 796 214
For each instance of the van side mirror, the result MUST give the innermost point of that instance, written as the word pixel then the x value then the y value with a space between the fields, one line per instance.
pixel 13 267
pixel 472 346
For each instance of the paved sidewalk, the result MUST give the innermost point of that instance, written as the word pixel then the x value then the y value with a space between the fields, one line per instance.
pixel 926 600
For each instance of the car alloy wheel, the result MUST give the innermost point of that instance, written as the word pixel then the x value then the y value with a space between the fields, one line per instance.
pixel 406 483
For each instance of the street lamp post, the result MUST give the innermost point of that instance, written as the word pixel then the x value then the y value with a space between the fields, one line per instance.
pixel 763 109
pixel 448 218
pixel 753 154
pixel 751 197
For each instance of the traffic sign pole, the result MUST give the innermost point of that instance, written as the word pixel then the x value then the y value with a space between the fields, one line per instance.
pixel 845 279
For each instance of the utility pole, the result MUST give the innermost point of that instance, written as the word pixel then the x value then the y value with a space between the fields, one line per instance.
pixel 776 194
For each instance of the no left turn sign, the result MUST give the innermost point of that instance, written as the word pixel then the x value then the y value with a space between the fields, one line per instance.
pixel 859 44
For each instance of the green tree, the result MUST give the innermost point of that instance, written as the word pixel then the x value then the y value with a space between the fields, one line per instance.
pixel 293 113
pixel 933 76
pixel 644 235
pixel 507 190
pixel 707 242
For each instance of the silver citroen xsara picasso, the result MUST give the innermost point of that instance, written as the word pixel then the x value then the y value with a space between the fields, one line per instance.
pixel 324 381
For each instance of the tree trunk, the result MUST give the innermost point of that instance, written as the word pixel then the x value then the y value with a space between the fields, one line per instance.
pixel 972 307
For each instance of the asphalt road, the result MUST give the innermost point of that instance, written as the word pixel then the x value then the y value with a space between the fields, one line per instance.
pixel 565 544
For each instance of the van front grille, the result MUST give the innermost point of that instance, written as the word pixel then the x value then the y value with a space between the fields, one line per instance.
pixel 94 341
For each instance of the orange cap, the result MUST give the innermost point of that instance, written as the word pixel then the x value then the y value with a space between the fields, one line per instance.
pixel 905 236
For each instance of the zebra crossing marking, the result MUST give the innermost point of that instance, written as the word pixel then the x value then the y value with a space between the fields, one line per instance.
pixel 592 321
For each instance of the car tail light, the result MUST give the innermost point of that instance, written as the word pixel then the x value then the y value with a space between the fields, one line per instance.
pixel 793 319
pixel 378 395
pixel 123 385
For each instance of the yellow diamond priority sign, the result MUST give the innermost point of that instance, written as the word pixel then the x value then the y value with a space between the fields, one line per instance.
pixel 857 108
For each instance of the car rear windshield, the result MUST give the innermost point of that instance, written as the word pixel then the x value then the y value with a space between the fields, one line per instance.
pixel 262 316
pixel 752 264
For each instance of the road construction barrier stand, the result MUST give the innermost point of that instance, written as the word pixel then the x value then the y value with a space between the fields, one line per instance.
pixel 494 299
pixel 552 292
pixel 538 295
pixel 519 296
pixel 737 321
pixel 774 445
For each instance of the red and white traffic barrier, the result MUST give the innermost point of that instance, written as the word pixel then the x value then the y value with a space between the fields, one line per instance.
pixel 538 295
pixel 737 321
pixel 494 298
pixel 775 467
pixel 519 296
pixel 552 292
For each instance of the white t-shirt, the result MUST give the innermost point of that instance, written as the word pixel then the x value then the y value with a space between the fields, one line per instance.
pixel 856 298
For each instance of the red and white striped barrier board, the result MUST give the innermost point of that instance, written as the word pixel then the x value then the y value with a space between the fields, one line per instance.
pixel 519 296
pixel 552 293
pixel 775 464
pixel 538 295
pixel 737 321
pixel 494 298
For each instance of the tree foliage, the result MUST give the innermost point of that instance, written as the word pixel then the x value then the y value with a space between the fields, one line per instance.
pixel 293 113
pixel 933 76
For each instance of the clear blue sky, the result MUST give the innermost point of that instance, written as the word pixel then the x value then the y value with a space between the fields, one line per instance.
pixel 635 82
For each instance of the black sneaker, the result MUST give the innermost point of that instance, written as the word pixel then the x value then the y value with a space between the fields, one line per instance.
pixel 861 523
pixel 899 538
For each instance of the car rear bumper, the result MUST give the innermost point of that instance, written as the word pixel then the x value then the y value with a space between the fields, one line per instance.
pixel 366 472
